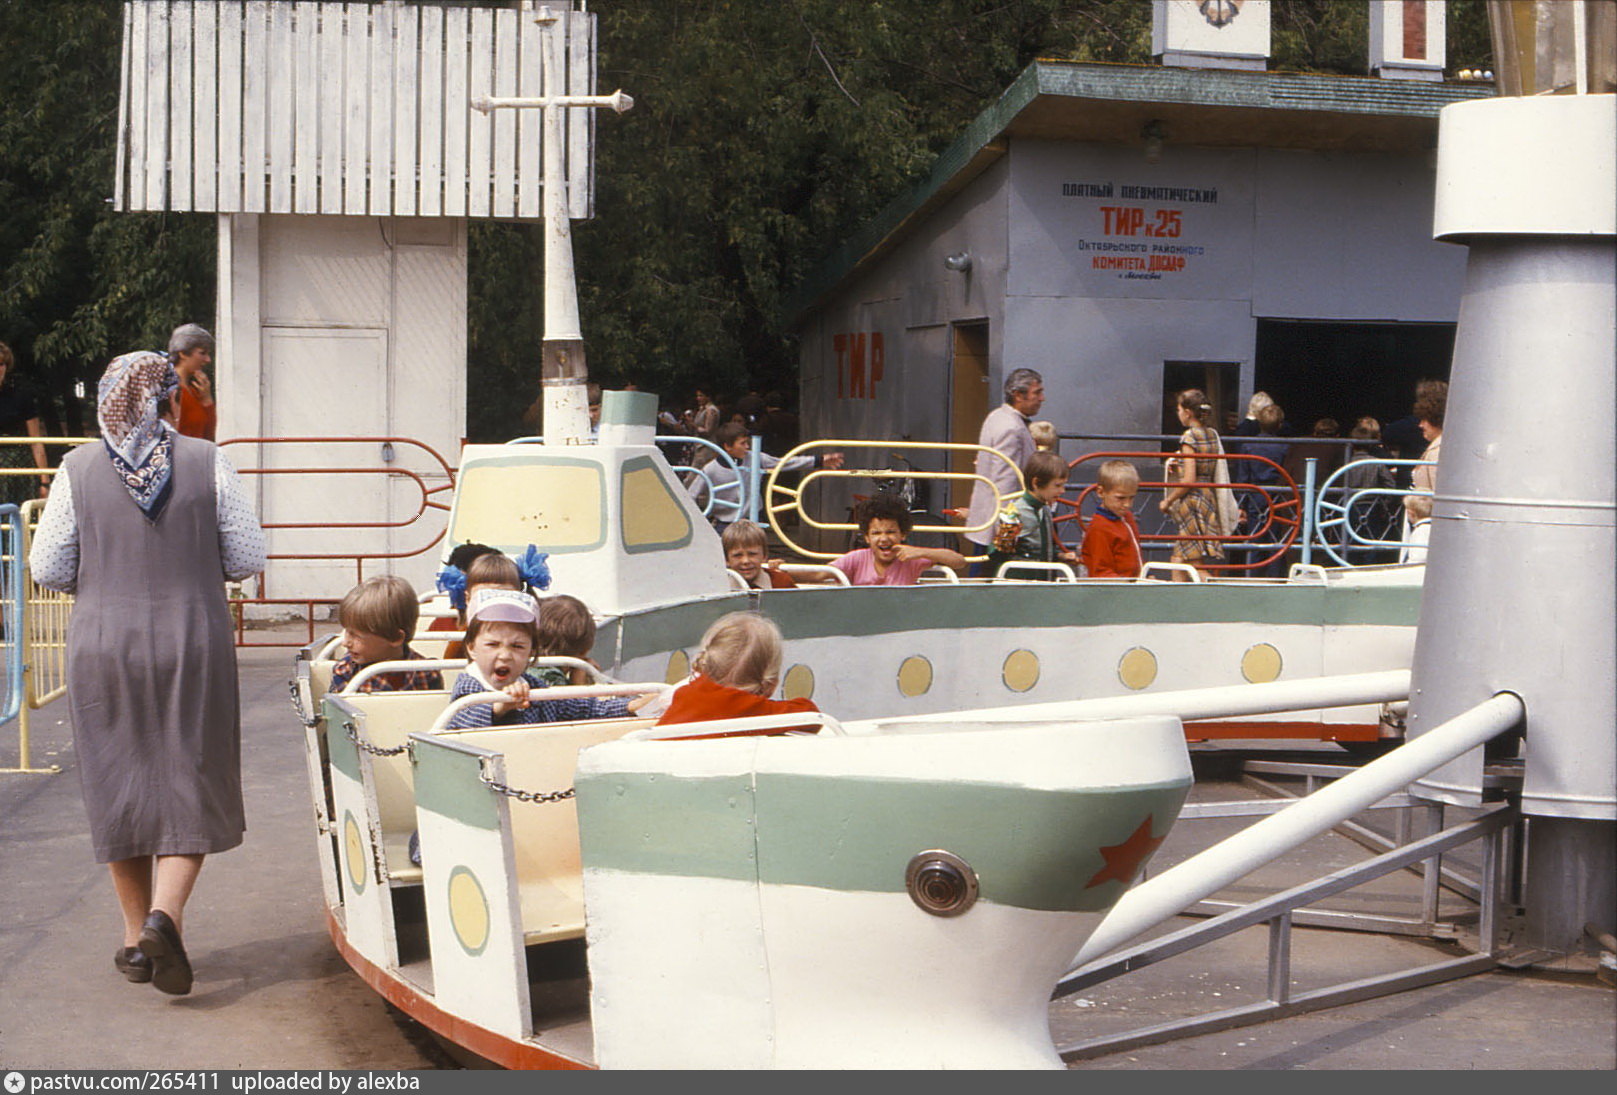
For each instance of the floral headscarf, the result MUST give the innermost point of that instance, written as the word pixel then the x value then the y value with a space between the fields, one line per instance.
pixel 142 450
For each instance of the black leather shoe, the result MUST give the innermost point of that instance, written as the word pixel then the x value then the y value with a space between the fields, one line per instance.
pixel 133 964
pixel 160 941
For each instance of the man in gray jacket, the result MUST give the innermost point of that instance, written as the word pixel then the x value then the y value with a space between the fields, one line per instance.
pixel 1005 429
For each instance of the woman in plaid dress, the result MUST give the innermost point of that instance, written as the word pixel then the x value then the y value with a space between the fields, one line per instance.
pixel 1190 503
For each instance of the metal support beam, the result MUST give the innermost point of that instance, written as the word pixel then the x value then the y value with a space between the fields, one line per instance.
pixel 1205 874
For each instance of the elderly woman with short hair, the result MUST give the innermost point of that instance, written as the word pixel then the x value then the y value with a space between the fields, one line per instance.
pixel 190 348
pixel 145 528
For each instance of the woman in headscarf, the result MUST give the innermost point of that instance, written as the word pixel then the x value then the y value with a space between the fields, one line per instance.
pixel 145 528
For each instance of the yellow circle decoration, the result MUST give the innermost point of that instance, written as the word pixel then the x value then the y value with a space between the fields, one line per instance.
pixel 1138 668
pixel 915 675
pixel 679 667
pixel 799 683
pixel 1261 664
pixel 356 852
pixel 1021 670
pixel 468 910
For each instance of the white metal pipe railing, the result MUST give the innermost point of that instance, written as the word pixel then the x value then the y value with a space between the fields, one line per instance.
pixel 722 727
pixel 547 661
pixel 545 695
pixel 1203 875
pixel 1228 701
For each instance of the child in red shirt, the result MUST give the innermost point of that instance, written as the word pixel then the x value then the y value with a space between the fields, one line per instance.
pixel 735 674
pixel 1112 542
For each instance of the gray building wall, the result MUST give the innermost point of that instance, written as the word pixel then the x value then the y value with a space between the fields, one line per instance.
pixel 1098 298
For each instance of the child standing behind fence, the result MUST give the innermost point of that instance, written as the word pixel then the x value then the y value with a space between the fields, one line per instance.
pixel 1112 542
pixel 1046 476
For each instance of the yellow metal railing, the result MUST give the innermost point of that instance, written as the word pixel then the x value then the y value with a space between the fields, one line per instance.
pixel 31 470
pixel 781 499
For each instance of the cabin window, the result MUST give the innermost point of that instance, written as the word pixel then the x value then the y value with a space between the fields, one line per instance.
pixel 554 502
pixel 653 518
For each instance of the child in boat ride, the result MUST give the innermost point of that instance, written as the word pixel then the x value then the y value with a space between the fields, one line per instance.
pixel 1046 476
pixel 889 561
pixel 502 635
pixel 1419 509
pixel 566 630
pixel 1044 436
pixel 1111 546
pixel 478 566
pixel 746 551
pixel 378 617
pixel 735 674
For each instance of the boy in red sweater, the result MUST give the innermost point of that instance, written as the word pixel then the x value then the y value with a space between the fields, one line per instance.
pixel 1112 541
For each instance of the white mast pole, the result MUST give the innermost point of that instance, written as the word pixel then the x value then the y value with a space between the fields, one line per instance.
pixel 563 371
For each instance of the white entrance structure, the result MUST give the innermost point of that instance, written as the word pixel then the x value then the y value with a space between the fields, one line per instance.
pixel 337 144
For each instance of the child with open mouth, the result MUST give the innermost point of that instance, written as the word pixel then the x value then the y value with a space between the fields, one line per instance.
pixel 502 634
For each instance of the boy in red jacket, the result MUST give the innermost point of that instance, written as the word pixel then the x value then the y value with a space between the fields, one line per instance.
pixel 1112 542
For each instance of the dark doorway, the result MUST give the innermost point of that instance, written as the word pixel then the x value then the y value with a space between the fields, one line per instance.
pixel 1345 370
pixel 1216 379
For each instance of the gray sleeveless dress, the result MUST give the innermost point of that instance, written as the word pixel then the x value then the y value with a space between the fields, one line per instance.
pixel 151 664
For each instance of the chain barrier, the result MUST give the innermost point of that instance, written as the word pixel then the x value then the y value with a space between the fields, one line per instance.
pixel 541 797
pixel 307 718
pixel 373 750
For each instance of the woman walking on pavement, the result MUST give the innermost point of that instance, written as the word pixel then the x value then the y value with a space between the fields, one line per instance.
pixel 146 528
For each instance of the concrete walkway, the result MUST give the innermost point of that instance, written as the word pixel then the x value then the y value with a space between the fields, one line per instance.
pixel 271 992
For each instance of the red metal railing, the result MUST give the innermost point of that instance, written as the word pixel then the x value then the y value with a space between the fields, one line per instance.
pixel 1282 508
pixel 432 498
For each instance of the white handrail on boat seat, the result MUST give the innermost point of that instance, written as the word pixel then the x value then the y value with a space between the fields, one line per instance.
pixel 737 582
pixel 718 728
pixel 1171 568
pixel 1063 572
pixel 949 577
pixel 816 571
pixel 560 692
pixel 416 665
pixel 1306 572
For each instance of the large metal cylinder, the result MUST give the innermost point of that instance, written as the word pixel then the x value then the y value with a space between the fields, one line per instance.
pixel 1520 589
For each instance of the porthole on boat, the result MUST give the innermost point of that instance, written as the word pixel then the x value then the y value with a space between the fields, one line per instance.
pixel 1021 670
pixel 356 852
pixel 1261 664
pixel 941 883
pixel 915 676
pixel 679 667
pixel 1137 668
pixel 468 910
pixel 799 683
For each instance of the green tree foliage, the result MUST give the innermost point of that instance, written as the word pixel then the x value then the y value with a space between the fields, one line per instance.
pixel 80 283
pixel 762 133
pixel 765 132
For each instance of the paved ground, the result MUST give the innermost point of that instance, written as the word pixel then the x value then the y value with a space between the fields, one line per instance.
pixel 271 992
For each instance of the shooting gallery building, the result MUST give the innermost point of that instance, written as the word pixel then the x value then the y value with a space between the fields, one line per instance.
pixel 1130 231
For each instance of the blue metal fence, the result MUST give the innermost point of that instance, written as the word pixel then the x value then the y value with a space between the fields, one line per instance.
pixel 13 634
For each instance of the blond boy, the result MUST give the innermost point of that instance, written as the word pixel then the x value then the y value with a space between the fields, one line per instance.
pixel 1111 547
pixel 378 616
